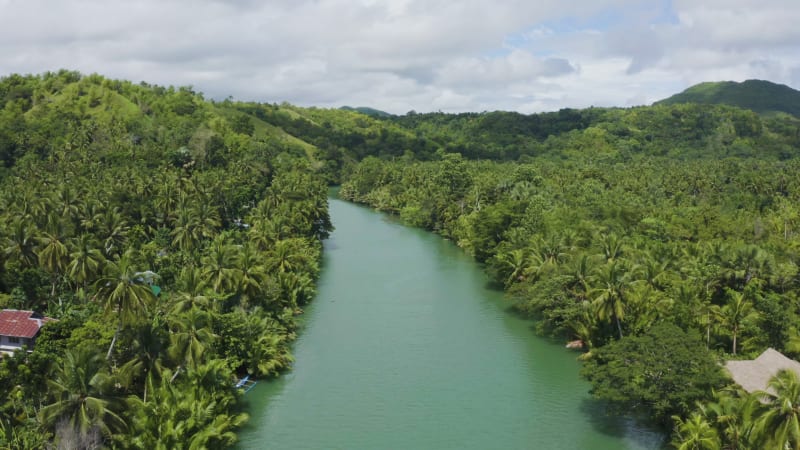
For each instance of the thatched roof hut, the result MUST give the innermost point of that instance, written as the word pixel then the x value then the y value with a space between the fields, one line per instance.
pixel 754 375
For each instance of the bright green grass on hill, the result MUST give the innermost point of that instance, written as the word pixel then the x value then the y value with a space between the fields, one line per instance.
pixel 763 97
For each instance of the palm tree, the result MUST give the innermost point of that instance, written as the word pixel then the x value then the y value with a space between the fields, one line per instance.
pixel 86 259
pixel 148 346
pixel 263 232
pixel 53 256
pixel 194 414
pixel 551 251
pixel 68 203
pixel 185 234
pixel 736 313
pixel 291 255
pixel 190 336
pixel 732 413
pixel 282 258
pixel 652 271
pixel 751 264
pixel 706 314
pixel 191 291
pixel 208 220
pixel 513 262
pixel 123 292
pixel 298 288
pixel 250 274
pixel 113 229
pixel 20 244
pixel 645 305
pixel 32 204
pixel 695 433
pixel 780 424
pixel 81 388
pixel 611 246
pixel 609 296
pixel 218 265
pixel 91 214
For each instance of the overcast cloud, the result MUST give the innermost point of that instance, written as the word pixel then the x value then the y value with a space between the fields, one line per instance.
pixel 399 55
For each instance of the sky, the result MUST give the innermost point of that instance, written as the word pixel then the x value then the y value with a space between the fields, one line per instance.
pixel 402 55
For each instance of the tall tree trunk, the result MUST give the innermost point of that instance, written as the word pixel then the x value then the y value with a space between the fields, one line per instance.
pixel 114 340
pixel 619 326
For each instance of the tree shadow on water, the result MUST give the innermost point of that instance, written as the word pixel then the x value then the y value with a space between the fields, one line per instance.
pixel 637 432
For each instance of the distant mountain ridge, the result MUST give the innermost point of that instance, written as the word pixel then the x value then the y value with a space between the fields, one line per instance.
pixel 372 112
pixel 761 96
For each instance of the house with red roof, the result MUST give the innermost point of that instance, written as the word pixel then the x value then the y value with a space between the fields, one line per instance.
pixel 18 329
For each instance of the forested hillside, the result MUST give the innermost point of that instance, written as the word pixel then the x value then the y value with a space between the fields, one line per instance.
pixel 661 249
pixel 109 187
pixel 760 96
pixel 666 230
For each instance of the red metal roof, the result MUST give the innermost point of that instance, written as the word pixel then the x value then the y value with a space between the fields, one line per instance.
pixel 25 324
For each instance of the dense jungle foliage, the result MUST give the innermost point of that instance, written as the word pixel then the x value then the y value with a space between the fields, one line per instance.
pixel 109 187
pixel 662 238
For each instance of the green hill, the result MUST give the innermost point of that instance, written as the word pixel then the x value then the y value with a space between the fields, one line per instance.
pixel 761 96
pixel 368 111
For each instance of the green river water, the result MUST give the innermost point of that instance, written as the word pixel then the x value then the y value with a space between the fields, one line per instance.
pixel 405 347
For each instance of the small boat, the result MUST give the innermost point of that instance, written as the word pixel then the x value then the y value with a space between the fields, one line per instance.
pixel 245 383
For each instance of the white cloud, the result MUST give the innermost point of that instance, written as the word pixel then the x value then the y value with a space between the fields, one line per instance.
pixel 400 55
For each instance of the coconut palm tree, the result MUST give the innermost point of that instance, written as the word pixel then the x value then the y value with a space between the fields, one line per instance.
pixel 20 245
pixel 53 255
pixel 219 265
pixel 779 425
pixel 695 433
pixel 612 281
pixel 736 313
pixel 611 246
pixel 732 413
pixel 86 260
pixel 123 293
pixel 190 337
pixel 250 273
pixel 192 414
pixel 192 291
pixel 81 391
pixel 513 262
pixel 149 347
pixel 113 230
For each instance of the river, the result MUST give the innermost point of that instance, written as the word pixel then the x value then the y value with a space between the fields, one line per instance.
pixel 405 347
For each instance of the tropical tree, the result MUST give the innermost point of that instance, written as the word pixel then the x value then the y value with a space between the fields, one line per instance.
pixel 113 230
pixel 250 274
pixel 733 415
pixel 192 414
pixel 20 245
pixel 695 433
pixel 779 425
pixel 611 281
pixel 191 335
pixel 123 293
pixel 661 373
pixel 86 260
pixel 53 256
pixel 219 265
pixel 192 291
pixel 148 349
pixel 737 312
pixel 82 394
pixel 514 263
